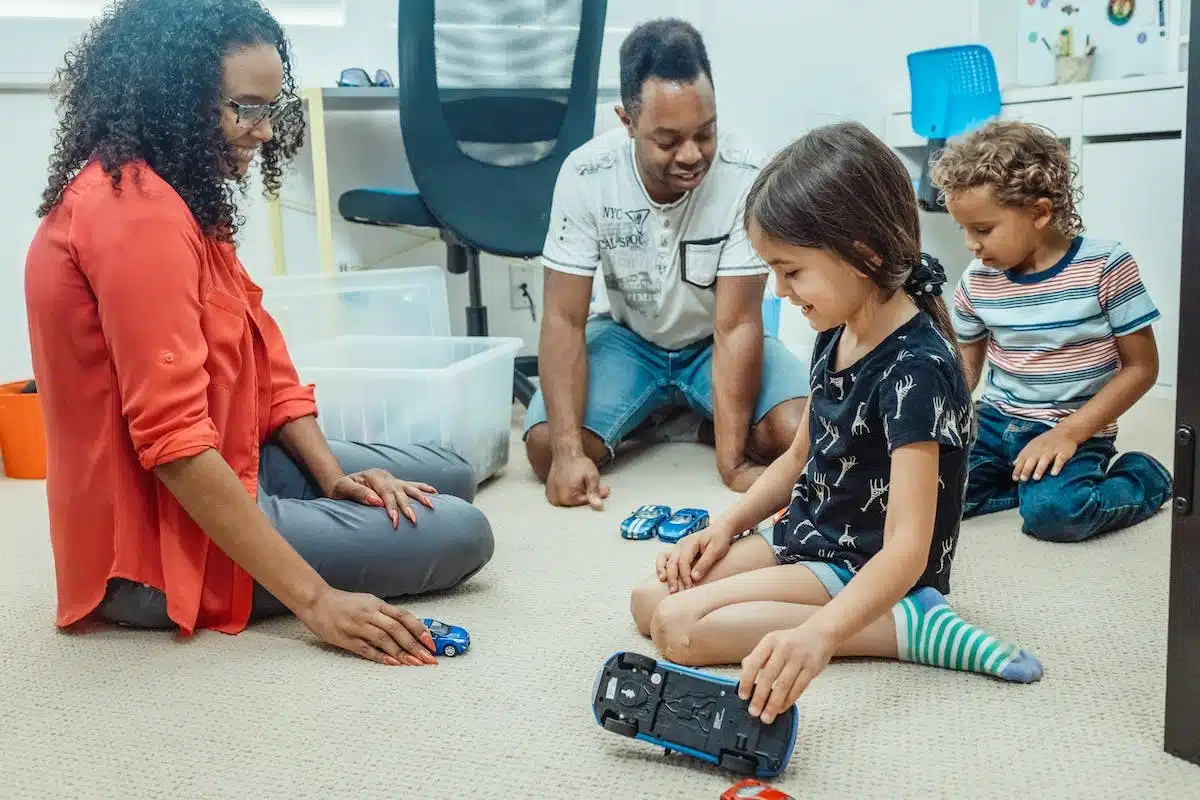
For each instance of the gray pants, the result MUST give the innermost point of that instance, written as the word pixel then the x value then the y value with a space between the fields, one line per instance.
pixel 353 547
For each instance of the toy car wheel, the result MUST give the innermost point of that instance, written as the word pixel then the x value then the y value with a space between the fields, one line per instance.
pixel 637 661
pixel 620 726
pixel 450 650
pixel 739 764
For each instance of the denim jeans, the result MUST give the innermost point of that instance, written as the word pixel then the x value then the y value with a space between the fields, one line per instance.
pixel 629 379
pixel 1089 496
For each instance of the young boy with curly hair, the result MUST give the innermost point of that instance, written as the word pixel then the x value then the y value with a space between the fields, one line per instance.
pixel 1063 322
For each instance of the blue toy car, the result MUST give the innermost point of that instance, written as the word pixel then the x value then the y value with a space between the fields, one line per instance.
pixel 681 523
pixel 643 523
pixel 448 640
pixel 692 712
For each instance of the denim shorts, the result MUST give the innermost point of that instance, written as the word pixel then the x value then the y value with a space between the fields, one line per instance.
pixel 833 577
pixel 630 378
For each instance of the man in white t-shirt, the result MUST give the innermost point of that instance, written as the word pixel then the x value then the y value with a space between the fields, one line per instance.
pixel 656 206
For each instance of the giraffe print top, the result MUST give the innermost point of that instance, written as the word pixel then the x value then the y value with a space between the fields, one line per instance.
pixel 909 389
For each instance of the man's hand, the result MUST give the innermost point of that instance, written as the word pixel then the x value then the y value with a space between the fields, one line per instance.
pixel 575 481
pixel 741 477
pixel 1053 449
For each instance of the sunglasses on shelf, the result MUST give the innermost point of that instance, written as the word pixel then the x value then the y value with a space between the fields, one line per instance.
pixel 357 76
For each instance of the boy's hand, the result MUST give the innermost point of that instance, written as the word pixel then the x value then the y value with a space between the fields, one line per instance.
pixel 780 668
pixel 1053 449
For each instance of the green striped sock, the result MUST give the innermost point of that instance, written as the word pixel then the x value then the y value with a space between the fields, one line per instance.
pixel 929 632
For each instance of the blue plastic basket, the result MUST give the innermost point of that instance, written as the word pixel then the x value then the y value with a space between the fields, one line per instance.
pixel 954 89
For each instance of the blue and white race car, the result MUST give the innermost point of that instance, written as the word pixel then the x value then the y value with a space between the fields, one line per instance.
pixel 643 523
pixel 681 523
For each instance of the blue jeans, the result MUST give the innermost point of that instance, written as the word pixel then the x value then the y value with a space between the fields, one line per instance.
pixel 1089 496
pixel 629 379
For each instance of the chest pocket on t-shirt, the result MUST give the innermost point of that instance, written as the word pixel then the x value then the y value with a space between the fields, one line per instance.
pixel 223 321
pixel 699 260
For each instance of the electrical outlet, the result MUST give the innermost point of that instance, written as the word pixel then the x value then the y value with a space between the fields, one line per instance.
pixel 518 275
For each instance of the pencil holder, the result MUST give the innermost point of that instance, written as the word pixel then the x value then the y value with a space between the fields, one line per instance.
pixel 1073 69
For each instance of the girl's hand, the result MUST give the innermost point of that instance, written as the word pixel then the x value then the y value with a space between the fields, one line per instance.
pixel 686 564
pixel 378 487
pixel 780 668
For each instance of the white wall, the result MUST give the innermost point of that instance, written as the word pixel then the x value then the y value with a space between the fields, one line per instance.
pixel 30 51
pixel 28 147
pixel 781 67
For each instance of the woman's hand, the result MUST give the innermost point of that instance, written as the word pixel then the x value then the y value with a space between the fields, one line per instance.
pixel 686 564
pixel 780 668
pixel 367 626
pixel 378 487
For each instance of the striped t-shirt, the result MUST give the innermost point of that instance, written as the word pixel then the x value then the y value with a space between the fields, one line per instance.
pixel 1053 333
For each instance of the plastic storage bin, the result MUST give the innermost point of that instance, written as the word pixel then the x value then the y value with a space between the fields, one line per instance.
pixel 450 391
pixel 22 432
pixel 311 309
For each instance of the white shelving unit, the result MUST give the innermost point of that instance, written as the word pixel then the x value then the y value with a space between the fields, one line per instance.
pixel 1000 24
pixel 1126 135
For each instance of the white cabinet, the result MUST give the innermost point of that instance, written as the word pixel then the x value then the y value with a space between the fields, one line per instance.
pixel 1060 116
pixel 1125 136
pixel 1135 113
pixel 1133 192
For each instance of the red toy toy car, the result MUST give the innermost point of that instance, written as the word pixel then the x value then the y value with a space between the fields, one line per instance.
pixel 755 790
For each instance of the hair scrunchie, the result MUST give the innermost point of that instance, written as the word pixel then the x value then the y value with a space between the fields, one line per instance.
pixel 927 277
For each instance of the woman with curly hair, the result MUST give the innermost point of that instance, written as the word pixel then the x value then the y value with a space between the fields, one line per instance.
pixel 188 483
pixel 1064 322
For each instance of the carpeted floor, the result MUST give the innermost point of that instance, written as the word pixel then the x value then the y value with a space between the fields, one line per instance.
pixel 270 714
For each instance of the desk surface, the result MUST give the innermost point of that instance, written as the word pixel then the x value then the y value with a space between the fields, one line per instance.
pixel 1033 94
pixel 23 83
pixel 367 98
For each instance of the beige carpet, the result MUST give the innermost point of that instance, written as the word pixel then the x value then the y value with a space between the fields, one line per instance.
pixel 269 714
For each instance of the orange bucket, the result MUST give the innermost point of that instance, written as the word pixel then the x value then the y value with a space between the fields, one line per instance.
pixel 22 433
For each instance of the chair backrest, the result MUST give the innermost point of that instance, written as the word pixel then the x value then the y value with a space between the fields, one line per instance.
pixel 954 89
pixel 494 94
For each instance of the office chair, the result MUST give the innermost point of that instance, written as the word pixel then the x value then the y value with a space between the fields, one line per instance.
pixel 954 91
pixel 491 103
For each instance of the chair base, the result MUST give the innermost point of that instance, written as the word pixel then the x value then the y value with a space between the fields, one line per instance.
pixel 477 321
pixel 927 193
pixel 463 259
pixel 523 386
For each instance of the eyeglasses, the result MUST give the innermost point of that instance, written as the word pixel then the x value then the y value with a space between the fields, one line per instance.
pixel 357 76
pixel 249 115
